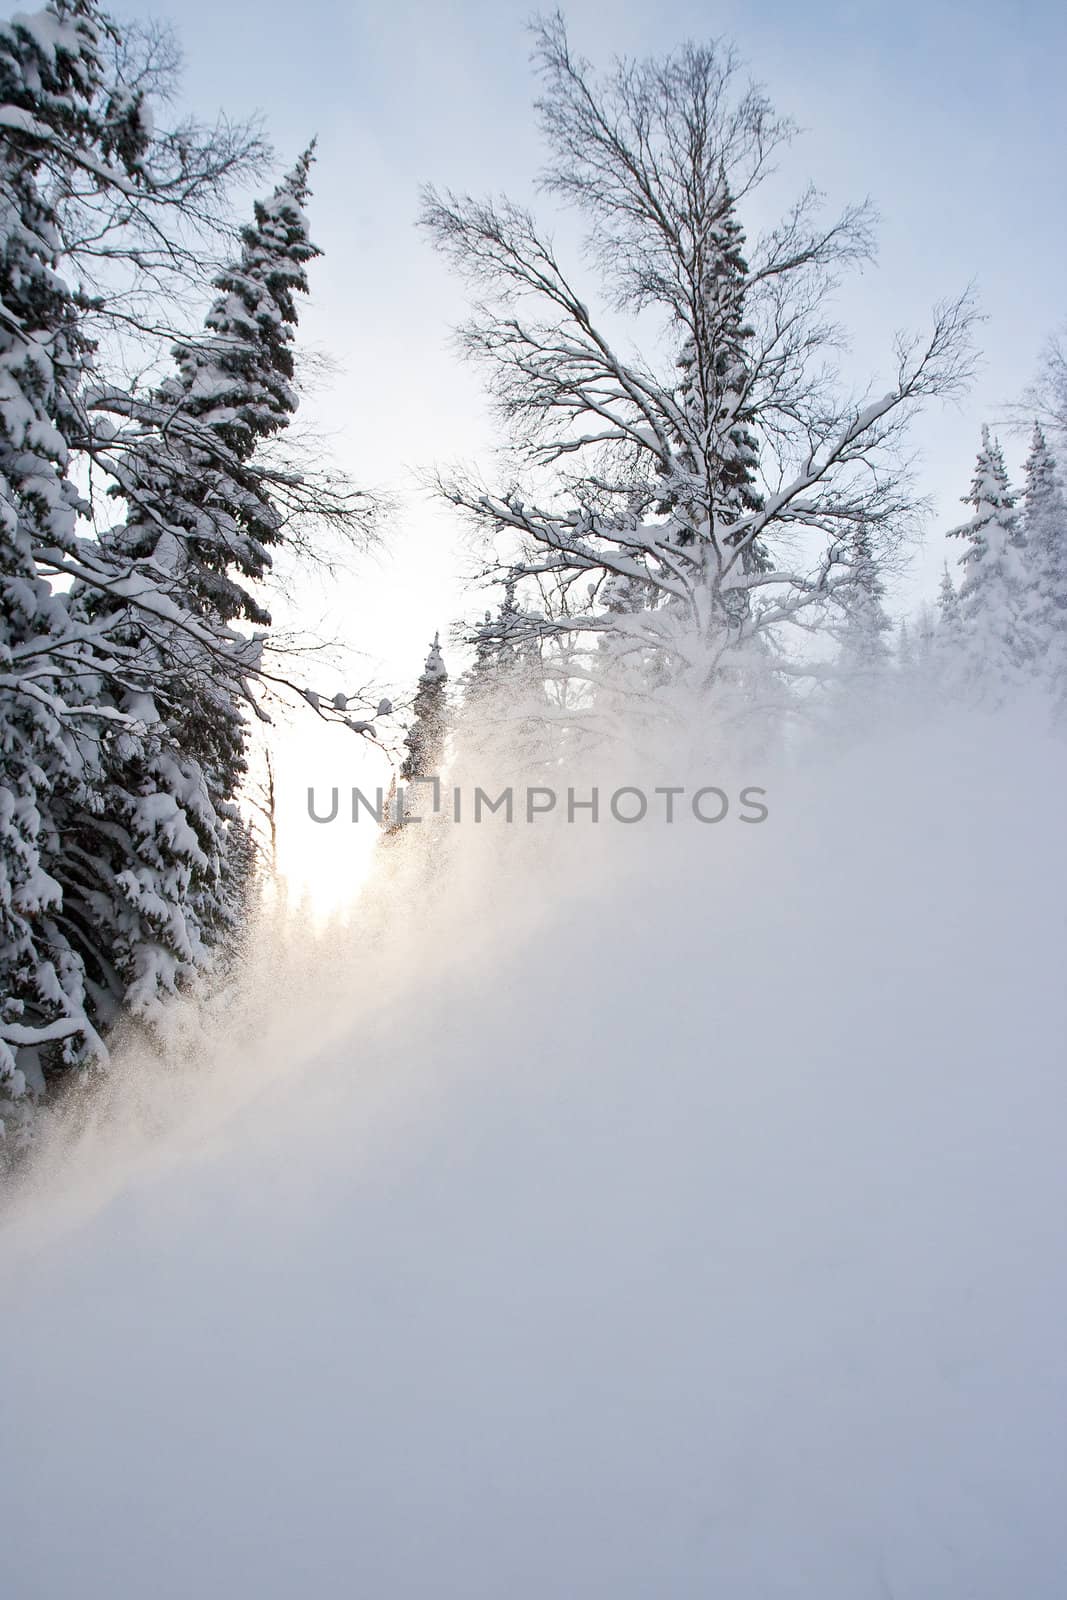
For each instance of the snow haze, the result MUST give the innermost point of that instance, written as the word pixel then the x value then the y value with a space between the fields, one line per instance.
pixel 608 1212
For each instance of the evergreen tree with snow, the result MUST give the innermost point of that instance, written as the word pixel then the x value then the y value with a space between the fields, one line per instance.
pixel 425 739
pixel 948 608
pixel 945 665
pixel 126 658
pixel 924 648
pixel 864 637
pixel 51 72
pixel 510 715
pixel 204 507
pixel 905 652
pixel 1044 522
pixel 502 648
pixel 918 669
pixel 858 677
pixel 157 885
pixel 998 644
pixel 715 395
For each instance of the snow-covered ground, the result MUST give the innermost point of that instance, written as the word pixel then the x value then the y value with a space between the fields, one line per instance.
pixel 621 1212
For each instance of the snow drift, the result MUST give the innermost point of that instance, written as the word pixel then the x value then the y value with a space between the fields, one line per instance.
pixel 610 1212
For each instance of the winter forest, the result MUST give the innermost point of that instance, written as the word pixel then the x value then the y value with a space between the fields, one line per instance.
pixel 570 1102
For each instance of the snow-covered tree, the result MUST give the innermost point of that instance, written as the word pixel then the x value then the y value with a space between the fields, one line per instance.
pixel 154 886
pixel 864 652
pixel 998 646
pixel 905 648
pixel 925 642
pixel 97 211
pixel 514 713
pixel 716 394
pixel 1044 523
pixel 858 679
pixel 50 74
pixel 125 658
pixel 948 608
pixel 425 739
pixel 938 664
pixel 694 508
pixel 500 643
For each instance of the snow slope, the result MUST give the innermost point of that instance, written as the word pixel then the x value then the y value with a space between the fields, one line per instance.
pixel 674 1212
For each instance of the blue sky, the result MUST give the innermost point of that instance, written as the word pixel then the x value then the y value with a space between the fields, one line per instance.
pixel 952 119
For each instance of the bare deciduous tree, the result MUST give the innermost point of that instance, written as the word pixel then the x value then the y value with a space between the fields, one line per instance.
pixel 693 502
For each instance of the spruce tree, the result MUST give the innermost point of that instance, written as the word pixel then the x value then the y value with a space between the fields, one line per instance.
pixel 425 739
pixel 500 646
pixel 905 649
pixel 126 658
pixel 998 643
pixel 155 880
pixel 946 666
pixel 864 643
pixel 925 642
pixel 715 393
pixel 948 606
pixel 50 77
pixel 509 718
pixel 1044 521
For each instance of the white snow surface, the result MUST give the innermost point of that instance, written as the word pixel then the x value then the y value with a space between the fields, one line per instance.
pixel 627 1212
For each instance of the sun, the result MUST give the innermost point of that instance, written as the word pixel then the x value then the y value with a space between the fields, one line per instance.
pixel 324 852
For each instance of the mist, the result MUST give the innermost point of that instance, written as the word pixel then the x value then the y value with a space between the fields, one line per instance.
pixel 596 1210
